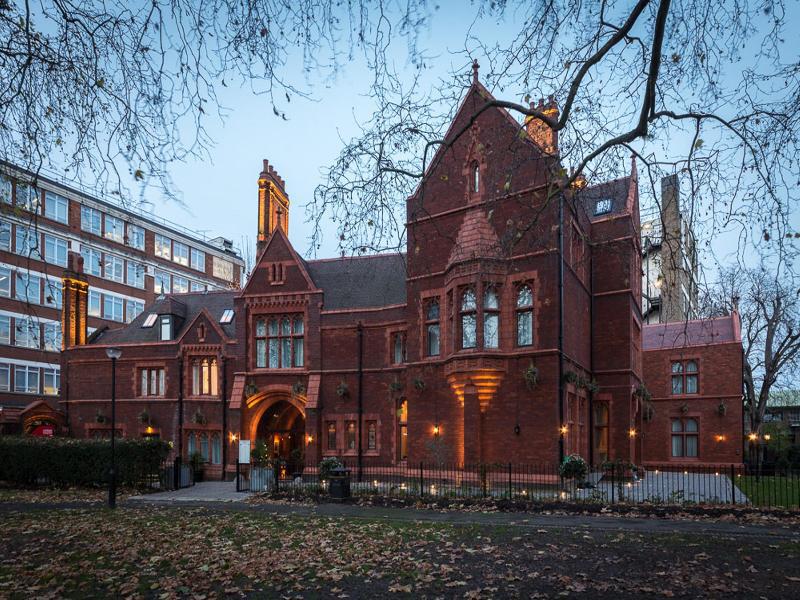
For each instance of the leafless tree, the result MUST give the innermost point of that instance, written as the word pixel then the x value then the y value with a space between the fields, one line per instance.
pixel 768 300
pixel 708 89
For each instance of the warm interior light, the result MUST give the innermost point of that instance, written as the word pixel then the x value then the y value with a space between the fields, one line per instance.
pixel 149 429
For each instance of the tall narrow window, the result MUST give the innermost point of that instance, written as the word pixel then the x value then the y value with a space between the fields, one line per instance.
pixel 491 319
pixel 331 435
pixel 524 316
pixel 399 348
pixel 476 179
pixel 684 438
pixel 216 449
pixel 372 435
pixel 297 341
pixel 432 328
pixel 350 435
pixel 600 432
pixel 469 310
pixel 402 430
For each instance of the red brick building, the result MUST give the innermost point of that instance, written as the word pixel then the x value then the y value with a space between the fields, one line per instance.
pixel 510 330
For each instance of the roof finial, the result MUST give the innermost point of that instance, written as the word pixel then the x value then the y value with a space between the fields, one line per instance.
pixel 279 213
pixel 475 67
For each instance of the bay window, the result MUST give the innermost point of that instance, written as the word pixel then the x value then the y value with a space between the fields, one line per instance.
pixel 491 318
pixel 469 319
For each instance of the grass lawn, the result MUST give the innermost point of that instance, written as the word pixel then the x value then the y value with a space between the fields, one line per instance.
pixel 200 553
pixel 771 491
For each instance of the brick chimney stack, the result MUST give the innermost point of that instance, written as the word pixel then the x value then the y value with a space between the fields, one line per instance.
pixel 544 136
pixel 74 304
pixel 273 204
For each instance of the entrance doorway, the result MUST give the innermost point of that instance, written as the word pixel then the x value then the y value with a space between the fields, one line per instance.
pixel 282 428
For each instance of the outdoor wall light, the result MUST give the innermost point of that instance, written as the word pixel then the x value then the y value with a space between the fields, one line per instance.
pixel 309 439
pixel 719 437
pixel 233 437
pixel 767 437
pixel 563 430
pixel 632 433
pixel 752 437
pixel 436 429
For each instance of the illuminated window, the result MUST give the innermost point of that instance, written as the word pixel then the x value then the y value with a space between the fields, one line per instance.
pixel 205 377
pixel 372 435
pixel 524 316
pixel 684 438
pixel 476 179
pixel 491 319
pixel 432 328
pixel 469 309
pixel 602 206
pixel 402 430
pixel 684 377
pixel 350 435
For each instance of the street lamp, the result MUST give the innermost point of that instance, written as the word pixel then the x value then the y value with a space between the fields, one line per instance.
pixel 113 354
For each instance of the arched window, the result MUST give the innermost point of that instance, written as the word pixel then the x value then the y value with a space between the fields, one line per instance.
pixel 279 342
pixel 204 446
pixel 205 377
pixel 524 316
pixel 191 445
pixel 476 178
pixel 402 430
pixel 216 449
pixel 469 322
pixel 432 328
pixel 491 318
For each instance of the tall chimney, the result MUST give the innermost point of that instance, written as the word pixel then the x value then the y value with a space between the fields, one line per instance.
pixel 542 134
pixel 273 204
pixel 74 302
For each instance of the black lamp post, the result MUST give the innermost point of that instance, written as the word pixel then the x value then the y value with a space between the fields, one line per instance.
pixel 113 354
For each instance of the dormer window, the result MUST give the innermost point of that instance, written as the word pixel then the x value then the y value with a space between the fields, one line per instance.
pixel 149 321
pixel 602 206
pixel 227 316
pixel 166 328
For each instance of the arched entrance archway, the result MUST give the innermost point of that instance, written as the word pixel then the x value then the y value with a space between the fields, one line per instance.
pixel 278 420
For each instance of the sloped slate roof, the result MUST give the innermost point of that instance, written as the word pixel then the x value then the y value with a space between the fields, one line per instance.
pixel 476 238
pixel 689 333
pixel 190 305
pixel 615 190
pixel 360 282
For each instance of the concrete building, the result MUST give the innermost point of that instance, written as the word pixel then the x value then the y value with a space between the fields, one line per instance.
pixel 129 257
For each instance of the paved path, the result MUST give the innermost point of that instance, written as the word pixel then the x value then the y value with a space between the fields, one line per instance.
pixel 205 491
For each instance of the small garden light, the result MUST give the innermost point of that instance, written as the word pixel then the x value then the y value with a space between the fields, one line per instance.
pixel 767 437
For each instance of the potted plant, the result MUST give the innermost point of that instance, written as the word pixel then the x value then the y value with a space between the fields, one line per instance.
pixel 327 465
pixel 531 376
pixel 262 475
pixel 196 461
pixel 574 469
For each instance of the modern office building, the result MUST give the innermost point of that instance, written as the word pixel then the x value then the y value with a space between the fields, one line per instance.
pixel 129 258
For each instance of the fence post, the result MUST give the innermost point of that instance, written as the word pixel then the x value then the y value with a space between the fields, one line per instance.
pixel 613 484
pixel 277 475
pixel 421 482
pixel 238 478
pixel 509 481
pixel 733 483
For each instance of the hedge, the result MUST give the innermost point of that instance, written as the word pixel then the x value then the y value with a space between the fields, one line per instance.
pixel 63 461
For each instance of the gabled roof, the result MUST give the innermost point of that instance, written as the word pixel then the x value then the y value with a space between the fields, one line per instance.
pixel 190 305
pixel 616 190
pixel 360 282
pixel 704 332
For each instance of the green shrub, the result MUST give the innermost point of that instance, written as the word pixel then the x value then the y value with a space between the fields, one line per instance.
pixel 573 467
pixel 65 462
pixel 327 465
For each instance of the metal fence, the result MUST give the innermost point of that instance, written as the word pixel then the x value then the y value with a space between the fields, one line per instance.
pixel 668 484
pixel 174 476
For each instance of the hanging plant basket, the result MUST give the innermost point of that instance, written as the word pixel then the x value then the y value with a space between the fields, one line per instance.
pixel 571 377
pixel 144 417
pixel 531 376
pixel 250 389
pixel 649 411
pixel 722 409
pixel 342 389
pixel 99 417
pixel 419 384
pixel 395 387
pixel 299 388
pixel 199 418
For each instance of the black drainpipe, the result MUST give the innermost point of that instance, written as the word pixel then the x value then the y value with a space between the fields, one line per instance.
pixel 591 352
pixel 180 408
pixel 560 326
pixel 360 395
pixel 224 440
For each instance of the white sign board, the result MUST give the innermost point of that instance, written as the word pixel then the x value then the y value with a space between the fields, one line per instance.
pixel 244 452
